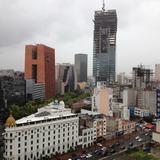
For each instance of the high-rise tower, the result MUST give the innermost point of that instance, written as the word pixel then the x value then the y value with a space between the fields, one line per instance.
pixel 39 71
pixel 81 67
pixel 104 49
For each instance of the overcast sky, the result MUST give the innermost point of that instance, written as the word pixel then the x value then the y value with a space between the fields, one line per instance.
pixel 67 26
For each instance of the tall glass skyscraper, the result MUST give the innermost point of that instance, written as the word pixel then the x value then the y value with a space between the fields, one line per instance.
pixel 81 67
pixel 104 49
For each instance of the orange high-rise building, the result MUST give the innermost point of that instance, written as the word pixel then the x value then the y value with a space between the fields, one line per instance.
pixel 39 71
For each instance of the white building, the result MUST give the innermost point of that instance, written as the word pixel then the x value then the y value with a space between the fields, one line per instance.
pixel 157 72
pixel 86 137
pixel 102 100
pixel 147 100
pixel 156 134
pixel 121 111
pixel 53 129
pixel 129 97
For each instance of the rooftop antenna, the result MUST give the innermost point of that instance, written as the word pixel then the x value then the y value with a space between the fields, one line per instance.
pixel 103 7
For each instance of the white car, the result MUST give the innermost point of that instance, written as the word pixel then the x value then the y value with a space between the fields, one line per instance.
pixel 140 140
pixel 137 137
pixel 88 155
pixel 99 144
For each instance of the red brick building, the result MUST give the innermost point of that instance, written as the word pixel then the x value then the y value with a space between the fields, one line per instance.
pixel 39 71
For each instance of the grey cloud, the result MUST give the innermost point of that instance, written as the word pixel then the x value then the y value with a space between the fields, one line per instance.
pixel 67 25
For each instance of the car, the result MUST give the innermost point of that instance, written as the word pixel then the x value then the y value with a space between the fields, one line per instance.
pixel 139 140
pixel 98 152
pixel 137 137
pixel 113 146
pixel 88 155
pixel 146 134
pixel 103 148
pixel 99 144
pixel 122 147
pixel 112 151
pixel 117 144
pixel 130 143
pixel 83 156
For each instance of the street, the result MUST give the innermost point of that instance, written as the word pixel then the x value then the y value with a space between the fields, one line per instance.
pixel 108 148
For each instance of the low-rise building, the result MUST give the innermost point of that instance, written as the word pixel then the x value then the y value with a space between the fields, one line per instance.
pixel 156 134
pixel 97 122
pixel 113 125
pixel 128 126
pixel 141 112
pixel 86 136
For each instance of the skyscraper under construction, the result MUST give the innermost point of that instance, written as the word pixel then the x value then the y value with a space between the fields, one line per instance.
pixel 104 49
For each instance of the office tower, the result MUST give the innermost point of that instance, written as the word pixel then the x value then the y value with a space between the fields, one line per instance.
pixel 104 49
pixel 141 77
pixel 39 71
pixel 66 80
pixel 157 72
pixel 81 67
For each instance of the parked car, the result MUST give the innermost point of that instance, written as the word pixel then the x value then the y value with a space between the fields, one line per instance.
pixel 112 151
pixel 122 147
pixel 88 155
pixel 99 144
pixel 83 156
pixel 98 152
pixel 139 140
pixel 137 137
pixel 130 143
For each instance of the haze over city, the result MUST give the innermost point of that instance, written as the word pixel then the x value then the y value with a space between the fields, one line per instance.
pixel 67 26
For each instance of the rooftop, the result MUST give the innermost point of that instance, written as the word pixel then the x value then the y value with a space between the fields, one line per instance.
pixel 52 110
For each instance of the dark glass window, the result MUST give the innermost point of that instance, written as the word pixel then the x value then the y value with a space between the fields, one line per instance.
pixel 34 55
pixel 34 72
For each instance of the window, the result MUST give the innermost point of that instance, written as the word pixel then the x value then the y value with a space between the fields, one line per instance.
pixel 19 145
pixel 34 72
pixel 10 134
pixel 25 137
pixel 10 146
pixel 34 55
pixel 10 153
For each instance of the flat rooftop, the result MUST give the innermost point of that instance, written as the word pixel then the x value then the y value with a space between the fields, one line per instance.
pixel 51 111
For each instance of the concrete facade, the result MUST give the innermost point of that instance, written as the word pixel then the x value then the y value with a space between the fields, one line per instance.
pixel 102 100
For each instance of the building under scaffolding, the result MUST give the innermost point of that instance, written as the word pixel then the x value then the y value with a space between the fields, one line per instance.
pixel 142 77
pixel 104 50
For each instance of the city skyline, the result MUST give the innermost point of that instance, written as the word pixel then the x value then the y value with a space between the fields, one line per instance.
pixel 67 26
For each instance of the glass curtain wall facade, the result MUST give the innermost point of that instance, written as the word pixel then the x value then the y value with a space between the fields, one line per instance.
pixel 104 50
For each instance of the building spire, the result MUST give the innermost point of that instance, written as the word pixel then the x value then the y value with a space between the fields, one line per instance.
pixel 103 6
